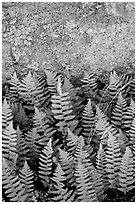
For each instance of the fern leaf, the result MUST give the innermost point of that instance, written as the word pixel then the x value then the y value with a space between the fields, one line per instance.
pixel 9 141
pixel 85 190
pixel 12 185
pixel 132 137
pixel 88 122
pixel 51 81
pixel 22 149
pixel 61 194
pixel 101 166
pixel 114 78
pixel 42 98
pixel 6 114
pixel 129 115
pixel 34 148
pixel 81 153
pixel 113 157
pixel 26 177
pixel 39 120
pixel 71 142
pixel 117 118
pixel 126 174
pixel 67 165
pixel 27 90
pixel 62 110
pixel 101 125
pixel 89 82
pixel 14 89
pixel 45 163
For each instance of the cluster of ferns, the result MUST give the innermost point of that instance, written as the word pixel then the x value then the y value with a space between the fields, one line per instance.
pixel 66 143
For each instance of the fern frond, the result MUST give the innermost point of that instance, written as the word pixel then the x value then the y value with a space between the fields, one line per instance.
pixel 101 125
pixel 26 178
pixel 45 163
pixel 81 154
pixel 9 141
pixel 89 82
pixel 12 185
pixel 67 165
pixel 101 166
pixel 34 148
pixel 98 182
pixel 113 157
pixel 117 118
pixel 129 115
pixel 132 137
pixel 62 110
pixel 85 190
pixel 60 194
pixel 126 174
pixel 71 142
pixel 88 122
pixel 42 98
pixel 27 90
pixel 6 114
pixel 114 78
pixel 22 149
pixel 14 88
pixel 51 81
pixel 39 121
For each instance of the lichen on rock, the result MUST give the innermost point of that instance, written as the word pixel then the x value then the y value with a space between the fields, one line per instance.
pixel 95 36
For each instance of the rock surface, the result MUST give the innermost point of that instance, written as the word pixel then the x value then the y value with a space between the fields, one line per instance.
pixel 73 36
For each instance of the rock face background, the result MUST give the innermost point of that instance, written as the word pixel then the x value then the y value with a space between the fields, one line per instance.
pixel 68 36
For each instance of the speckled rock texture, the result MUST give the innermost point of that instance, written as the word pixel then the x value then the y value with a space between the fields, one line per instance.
pixel 74 36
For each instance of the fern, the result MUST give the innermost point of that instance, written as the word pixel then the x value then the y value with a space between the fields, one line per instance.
pixel 60 193
pixel 62 109
pixel 14 89
pixel 89 82
pixel 22 149
pixel 88 122
pixel 14 190
pixel 42 124
pixel 45 164
pixel 6 114
pixel 126 174
pixel 26 178
pixel 9 141
pixel 82 154
pixel 67 165
pixel 132 137
pixel 98 182
pixel 42 98
pixel 27 91
pixel 129 115
pixel 101 166
pixel 32 141
pixel 85 190
pixel 117 118
pixel 51 81
pixel 113 160
pixel 71 142
pixel 101 125
pixel 75 100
